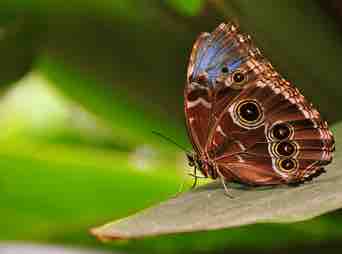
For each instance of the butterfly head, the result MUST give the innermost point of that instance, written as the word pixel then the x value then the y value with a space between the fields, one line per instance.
pixel 206 168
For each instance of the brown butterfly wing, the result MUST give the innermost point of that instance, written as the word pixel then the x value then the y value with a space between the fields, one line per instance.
pixel 197 102
pixel 288 143
pixel 225 133
pixel 205 94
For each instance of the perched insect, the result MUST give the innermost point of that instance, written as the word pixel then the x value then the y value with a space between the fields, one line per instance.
pixel 246 123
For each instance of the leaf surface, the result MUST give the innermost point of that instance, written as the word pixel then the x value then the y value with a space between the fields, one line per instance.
pixel 208 208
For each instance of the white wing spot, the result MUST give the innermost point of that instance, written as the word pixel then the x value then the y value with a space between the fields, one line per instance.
pixel 240 158
pixel 261 84
pixel 201 101
pixel 219 130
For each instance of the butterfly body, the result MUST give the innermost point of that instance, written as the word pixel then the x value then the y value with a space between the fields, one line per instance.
pixel 246 123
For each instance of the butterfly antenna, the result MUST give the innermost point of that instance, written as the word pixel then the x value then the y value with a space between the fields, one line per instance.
pixel 171 141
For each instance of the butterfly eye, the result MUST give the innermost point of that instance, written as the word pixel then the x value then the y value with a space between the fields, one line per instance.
pixel 285 149
pixel 249 113
pixel 287 165
pixel 239 77
pixel 191 160
pixel 281 131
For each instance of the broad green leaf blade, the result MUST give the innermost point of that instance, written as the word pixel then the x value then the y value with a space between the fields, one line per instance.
pixel 59 191
pixel 129 121
pixel 208 208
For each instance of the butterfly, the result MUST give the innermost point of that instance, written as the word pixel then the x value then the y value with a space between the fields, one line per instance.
pixel 246 123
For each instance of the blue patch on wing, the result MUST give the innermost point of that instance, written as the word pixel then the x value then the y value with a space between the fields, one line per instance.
pixel 232 66
pixel 217 51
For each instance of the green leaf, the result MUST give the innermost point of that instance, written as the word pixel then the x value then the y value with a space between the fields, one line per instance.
pixel 20 39
pixel 208 208
pixel 116 63
pixel 131 122
pixel 51 191
pixel 189 8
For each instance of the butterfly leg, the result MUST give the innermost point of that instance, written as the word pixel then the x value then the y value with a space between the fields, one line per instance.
pixel 223 181
pixel 195 180
pixel 194 175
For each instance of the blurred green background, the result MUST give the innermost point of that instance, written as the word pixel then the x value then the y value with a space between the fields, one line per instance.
pixel 84 84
